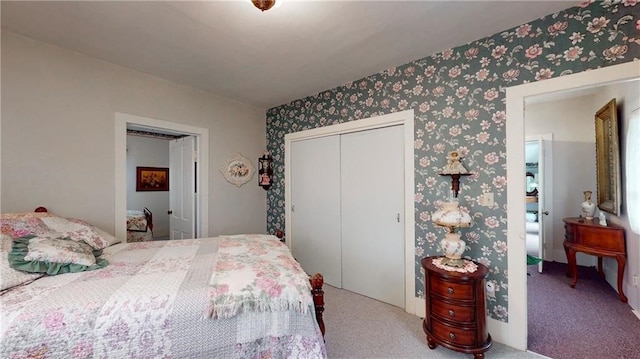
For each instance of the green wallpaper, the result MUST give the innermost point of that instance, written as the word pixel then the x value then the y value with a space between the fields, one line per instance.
pixel 459 100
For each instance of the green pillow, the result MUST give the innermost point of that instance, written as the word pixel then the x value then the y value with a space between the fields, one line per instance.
pixel 53 255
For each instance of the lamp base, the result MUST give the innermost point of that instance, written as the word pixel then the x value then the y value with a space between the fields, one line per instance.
pixel 453 248
pixel 453 262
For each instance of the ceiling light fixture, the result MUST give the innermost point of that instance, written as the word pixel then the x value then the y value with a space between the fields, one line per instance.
pixel 264 4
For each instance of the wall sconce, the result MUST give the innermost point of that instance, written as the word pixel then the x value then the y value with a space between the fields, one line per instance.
pixel 451 217
pixel 265 171
pixel 455 169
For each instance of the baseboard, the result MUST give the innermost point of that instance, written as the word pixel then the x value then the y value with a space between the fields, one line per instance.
pixel 418 307
pixel 636 312
pixel 540 355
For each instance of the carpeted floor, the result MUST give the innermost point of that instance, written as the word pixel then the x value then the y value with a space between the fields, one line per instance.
pixel 589 321
pixel 360 327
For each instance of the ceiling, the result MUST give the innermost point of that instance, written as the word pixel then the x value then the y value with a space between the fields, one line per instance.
pixel 265 59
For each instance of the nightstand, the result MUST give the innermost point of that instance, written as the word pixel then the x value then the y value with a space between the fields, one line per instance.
pixel 456 309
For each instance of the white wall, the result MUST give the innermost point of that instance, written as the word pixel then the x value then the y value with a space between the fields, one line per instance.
pixel 148 152
pixel 58 143
pixel 627 95
pixel 574 168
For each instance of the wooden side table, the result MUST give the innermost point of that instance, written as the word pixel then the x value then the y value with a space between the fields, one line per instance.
pixel 456 309
pixel 587 236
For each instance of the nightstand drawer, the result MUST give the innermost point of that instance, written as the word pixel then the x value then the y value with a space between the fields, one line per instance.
pixel 458 313
pixel 453 335
pixel 451 290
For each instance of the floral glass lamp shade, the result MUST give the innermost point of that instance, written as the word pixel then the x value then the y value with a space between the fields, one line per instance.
pixel 451 217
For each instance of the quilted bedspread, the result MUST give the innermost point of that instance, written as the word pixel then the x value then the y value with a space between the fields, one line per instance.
pixel 256 272
pixel 150 302
pixel 136 221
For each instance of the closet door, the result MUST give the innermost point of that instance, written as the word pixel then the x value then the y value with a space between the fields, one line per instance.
pixel 315 212
pixel 372 186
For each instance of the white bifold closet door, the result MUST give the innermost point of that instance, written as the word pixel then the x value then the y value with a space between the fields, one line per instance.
pixel 315 211
pixel 347 215
pixel 372 204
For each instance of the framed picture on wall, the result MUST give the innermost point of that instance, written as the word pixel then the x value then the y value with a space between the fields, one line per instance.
pixel 152 179
pixel 237 170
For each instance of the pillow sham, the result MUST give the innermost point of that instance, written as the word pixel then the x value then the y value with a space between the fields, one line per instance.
pixel 41 224
pixel 19 215
pixel 17 227
pixel 10 277
pixel 109 239
pixel 53 256
pixel 78 231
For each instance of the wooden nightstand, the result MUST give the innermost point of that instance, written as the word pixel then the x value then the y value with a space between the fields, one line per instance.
pixel 587 236
pixel 456 309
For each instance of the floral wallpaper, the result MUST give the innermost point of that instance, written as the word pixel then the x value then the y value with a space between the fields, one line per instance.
pixel 458 97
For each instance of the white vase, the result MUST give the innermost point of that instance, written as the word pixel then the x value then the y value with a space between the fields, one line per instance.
pixel 588 207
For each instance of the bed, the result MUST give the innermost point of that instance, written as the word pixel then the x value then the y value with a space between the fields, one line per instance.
pixel 139 225
pixel 173 299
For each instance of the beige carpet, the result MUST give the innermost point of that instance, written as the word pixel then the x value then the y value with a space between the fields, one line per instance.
pixel 360 327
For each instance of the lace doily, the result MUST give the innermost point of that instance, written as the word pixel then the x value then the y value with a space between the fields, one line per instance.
pixel 469 266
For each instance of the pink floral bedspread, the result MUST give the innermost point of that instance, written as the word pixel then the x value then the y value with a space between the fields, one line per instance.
pixel 150 302
pixel 256 273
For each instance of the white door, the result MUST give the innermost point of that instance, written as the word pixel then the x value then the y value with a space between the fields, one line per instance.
pixel 182 188
pixel 545 202
pixel 545 196
pixel 372 206
pixel 315 206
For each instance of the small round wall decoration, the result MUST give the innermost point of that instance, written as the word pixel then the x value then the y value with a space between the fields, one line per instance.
pixel 238 170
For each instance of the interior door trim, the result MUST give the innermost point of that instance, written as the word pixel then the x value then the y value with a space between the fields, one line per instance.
pixel 120 170
pixel 514 332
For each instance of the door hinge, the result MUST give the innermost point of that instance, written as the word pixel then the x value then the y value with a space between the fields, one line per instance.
pixel 195 156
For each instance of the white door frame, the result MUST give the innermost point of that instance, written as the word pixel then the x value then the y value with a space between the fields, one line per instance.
pixel 120 171
pixel 406 118
pixel 514 333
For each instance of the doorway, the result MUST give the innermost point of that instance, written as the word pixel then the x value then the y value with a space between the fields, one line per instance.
pixel 515 333
pixel 539 198
pixel 201 135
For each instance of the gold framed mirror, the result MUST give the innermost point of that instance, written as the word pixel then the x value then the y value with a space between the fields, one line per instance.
pixel 608 158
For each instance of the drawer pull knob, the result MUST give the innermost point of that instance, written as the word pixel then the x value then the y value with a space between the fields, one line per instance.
pixel 452 313
pixel 452 335
pixel 450 290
